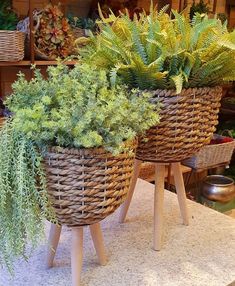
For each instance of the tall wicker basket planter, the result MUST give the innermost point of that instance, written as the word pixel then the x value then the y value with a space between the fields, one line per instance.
pixel 87 185
pixel 187 123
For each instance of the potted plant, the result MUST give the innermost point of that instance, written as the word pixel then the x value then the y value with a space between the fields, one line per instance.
pixel 182 62
pixel 11 41
pixel 67 153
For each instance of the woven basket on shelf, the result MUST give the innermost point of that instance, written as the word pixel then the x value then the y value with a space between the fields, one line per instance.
pixel 11 46
pixel 212 155
pixel 87 185
pixel 187 123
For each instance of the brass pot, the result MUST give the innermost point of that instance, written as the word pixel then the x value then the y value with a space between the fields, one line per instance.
pixel 218 188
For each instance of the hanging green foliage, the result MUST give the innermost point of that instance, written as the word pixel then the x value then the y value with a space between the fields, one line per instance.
pixel 24 203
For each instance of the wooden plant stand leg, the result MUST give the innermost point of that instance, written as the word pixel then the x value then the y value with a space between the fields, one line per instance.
pixel 53 241
pixel 180 189
pixel 76 255
pixel 126 204
pixel 158 205
pixel 98 241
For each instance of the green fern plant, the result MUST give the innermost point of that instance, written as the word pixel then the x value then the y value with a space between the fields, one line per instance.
pixel 157 51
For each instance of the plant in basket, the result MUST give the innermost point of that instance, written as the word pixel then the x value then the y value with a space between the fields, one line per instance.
pixel 67 153
pixel 181 61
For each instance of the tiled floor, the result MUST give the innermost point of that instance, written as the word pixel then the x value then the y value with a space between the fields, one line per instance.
pixel 201 254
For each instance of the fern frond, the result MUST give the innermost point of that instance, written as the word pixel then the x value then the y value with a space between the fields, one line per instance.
pixel 178 81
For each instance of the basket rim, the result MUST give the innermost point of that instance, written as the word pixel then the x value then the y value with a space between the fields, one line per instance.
pixel 12 31
pixel 173 91
pixel 132 144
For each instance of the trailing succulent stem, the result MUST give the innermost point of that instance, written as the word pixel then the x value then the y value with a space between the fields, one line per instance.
pixel 24 202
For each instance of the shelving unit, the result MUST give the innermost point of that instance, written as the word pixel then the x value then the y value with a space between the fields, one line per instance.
pixel 175 4
pixel 28 62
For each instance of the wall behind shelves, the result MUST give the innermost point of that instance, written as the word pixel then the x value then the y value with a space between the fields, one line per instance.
pixel 9 75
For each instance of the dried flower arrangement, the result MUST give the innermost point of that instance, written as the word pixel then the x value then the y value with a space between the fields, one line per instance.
pixel 53 34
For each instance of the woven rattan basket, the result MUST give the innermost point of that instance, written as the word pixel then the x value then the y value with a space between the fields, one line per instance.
pixel 87 185
pixel 11 46
pixel 212 155
pixel 187 123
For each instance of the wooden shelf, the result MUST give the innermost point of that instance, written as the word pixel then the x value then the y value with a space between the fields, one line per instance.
pixel 37 63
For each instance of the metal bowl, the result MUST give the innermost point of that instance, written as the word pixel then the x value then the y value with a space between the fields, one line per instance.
pixel 218 188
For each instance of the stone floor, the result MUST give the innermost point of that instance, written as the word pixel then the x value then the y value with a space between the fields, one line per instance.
pixel 201 254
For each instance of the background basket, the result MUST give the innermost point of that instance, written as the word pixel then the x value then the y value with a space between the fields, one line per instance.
pixel 87 185
pixel 147 171
pixel 187 123
pixel 212 155
pixel 11 46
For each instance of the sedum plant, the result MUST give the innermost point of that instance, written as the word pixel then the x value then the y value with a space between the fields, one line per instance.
pixel 79 108
pixel 157 51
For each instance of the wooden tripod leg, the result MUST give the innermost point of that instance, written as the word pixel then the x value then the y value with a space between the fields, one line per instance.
pixel 158 205
pixel 96 234
pixel 53 241
pixel 126 204
pixel 180 189
pixel 76 255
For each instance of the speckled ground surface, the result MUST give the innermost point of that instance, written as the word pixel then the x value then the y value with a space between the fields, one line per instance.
pixel 202 254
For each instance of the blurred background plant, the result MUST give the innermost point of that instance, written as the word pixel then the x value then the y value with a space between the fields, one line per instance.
pixel 8 18
pixel 201 8
pixel 82 23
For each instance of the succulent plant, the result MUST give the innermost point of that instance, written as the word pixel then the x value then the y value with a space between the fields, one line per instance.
pixel 54 36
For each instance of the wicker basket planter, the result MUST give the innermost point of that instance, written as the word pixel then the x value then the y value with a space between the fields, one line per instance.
pixel 212 155
pixel 87 185
pixel 187 123
pixel 11 46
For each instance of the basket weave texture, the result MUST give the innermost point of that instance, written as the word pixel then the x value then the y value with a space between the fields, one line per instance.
pixel 87 185
pixel 212 155
pixel 11 46
pixel 187 123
